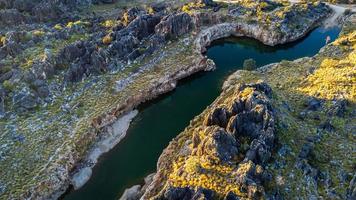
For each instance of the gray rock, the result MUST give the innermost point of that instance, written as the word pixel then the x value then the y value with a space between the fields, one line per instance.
pixel 220 145
pixel 174 25
pixel 306 150
pixel 313 104
pixel 219 117
pixel 327 126
pixel 133 193
pixel 338 108
pixel 25 100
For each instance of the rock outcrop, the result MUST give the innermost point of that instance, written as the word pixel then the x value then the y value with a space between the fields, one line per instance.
pixel 226 152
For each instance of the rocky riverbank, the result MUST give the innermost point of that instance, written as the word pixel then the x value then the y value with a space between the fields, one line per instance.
pixel 282 131
pixel 63 83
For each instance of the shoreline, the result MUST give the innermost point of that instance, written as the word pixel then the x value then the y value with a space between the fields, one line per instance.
pixel 115 133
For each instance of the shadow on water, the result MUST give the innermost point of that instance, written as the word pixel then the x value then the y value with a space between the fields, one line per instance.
pixel 162 119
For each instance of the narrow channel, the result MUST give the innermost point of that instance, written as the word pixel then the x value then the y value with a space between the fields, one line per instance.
pixel 159 121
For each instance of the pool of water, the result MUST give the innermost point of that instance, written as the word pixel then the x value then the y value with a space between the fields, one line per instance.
pixel 159 121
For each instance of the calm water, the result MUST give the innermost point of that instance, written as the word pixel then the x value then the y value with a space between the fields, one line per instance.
pixel 161 120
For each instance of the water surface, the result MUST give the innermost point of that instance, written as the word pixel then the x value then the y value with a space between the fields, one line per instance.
pixel 159 121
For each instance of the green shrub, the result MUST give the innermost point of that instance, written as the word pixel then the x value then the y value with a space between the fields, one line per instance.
pixel 249 64
pixel 8 86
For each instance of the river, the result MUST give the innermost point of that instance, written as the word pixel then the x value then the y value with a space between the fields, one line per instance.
pixel 159 121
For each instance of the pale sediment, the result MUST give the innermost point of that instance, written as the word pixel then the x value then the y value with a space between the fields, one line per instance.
pixel 115 133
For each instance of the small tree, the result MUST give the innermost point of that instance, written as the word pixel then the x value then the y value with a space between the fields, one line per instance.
pixel 249 64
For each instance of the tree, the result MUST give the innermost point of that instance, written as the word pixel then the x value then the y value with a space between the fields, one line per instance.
pixel 249 64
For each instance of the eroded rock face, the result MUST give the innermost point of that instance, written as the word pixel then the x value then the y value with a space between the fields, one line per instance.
pixel 174 25
pixel 227 151
pixel 219 144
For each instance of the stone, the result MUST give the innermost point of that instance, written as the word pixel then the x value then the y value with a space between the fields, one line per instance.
pixel 219 144
pixel 124 45
pixel 41 88
pixel 219 117
pixel 25 99
pixel 306 150
pixel 327 126
pixel 143 26
pixel 72 51
pixel 133 193
pixel 174 25
pixel 338 108
pixel 313 104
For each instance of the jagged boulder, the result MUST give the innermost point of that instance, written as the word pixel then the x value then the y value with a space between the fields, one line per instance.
pixel 174 25
pixel 218 145
pixel 219 117
pixel 25 100
pixel 142 26
pixel 124 45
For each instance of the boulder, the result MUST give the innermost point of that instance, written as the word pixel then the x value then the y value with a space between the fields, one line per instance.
pixel 41 88
pixel 133 193
pixel 124 45
pixel 25 100
pixel 174 25
pixel 313 104
pixel 338 108
pixel 219 117
pixel 219 145
pixel 143 26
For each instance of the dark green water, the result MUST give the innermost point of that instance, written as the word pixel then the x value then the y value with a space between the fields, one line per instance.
pixel 162 119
